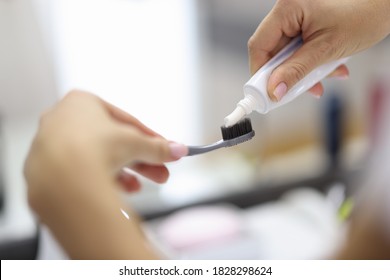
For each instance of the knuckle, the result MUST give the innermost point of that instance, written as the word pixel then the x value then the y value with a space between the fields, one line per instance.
pixel 252 42
pixel 296 71
pixel 283 7
pixel 76 93
pixel 280 7
pixel 43 117
pixel 73 92
pixel 337 48
pixel 282 3
pixel 325 48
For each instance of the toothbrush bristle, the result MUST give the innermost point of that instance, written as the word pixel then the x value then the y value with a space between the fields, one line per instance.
pixel 239 129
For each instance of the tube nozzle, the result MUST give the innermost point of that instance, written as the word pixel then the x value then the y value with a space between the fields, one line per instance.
pixel 235 116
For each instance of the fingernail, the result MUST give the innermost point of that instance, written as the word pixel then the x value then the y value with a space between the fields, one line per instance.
pixel 342 78
pixel 178 150
pixel 316 95
pixel 280 91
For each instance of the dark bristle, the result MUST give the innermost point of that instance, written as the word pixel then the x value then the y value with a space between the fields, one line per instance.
pixel 241 128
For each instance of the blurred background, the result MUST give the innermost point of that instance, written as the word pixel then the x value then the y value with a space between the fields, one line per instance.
pixel 179 66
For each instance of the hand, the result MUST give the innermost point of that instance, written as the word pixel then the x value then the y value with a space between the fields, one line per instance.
pixel 83 129
pixel 74 165
pixel 330 30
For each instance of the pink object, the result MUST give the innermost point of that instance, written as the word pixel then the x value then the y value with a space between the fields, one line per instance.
pixel 198 226
pixel 377 96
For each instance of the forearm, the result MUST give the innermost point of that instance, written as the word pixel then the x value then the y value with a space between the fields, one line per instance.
pixel 89 224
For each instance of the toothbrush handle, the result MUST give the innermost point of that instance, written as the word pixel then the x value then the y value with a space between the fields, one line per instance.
pixel 196 150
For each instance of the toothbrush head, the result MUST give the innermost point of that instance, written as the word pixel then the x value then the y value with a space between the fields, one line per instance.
pixel 233 135
pixel 238 133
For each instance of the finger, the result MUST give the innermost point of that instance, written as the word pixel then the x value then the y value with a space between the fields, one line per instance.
pixel 137 146
pixel 311 55
pixel 263 42
pixel 157 173
pixel 341 72
pixel 129 182
pixel 126 118
pixel 118 114
pixel 273 33
pixel 317 90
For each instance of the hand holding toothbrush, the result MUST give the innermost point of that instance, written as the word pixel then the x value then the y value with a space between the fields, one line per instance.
pixel 330 30
pixel 74 168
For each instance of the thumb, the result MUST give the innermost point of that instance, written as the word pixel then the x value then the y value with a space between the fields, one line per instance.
pixel 148 149
pixel 309 56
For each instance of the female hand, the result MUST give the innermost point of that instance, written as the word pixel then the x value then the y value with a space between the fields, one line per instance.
pixel 330 30
pixel 74 165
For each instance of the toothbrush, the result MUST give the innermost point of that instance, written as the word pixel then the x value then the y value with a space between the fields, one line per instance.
pixel 231 136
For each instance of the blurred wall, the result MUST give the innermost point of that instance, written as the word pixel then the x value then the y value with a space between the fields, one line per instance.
pixel 27 82
pixel 27 86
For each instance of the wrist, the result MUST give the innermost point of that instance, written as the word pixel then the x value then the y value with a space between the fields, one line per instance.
pixel 52 199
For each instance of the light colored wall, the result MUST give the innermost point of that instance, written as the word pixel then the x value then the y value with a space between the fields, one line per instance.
pixel 16 221
pixel 26 78
pixel 27 87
